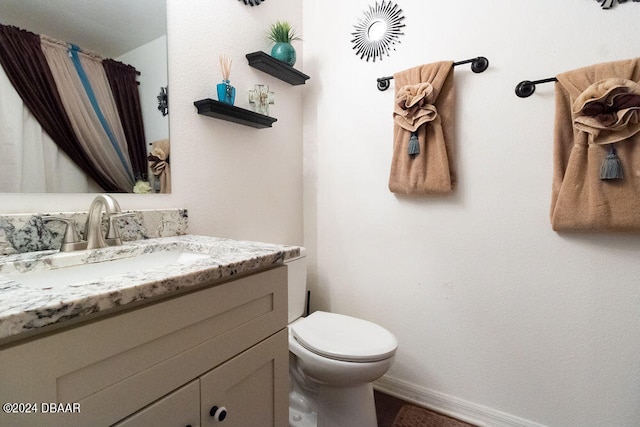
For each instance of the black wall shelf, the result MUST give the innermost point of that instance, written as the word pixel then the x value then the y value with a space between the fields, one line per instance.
pixel 220 110
pixel 276 68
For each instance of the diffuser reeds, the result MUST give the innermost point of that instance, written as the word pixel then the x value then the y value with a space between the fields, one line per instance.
pixel 225 66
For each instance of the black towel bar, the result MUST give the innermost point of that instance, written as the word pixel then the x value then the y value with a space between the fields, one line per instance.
pixel 478 65
pixel 526 88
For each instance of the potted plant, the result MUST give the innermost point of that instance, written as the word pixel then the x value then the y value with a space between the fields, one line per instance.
pixel 282 34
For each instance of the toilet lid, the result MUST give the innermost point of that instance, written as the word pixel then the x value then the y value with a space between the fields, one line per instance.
pixel 344 338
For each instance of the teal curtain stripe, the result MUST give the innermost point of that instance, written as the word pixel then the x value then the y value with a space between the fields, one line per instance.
pixel 73 53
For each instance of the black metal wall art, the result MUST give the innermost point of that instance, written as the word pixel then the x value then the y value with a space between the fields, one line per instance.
pixel 378 32
pixel 252 2
pixel 163 101
pixel 608 4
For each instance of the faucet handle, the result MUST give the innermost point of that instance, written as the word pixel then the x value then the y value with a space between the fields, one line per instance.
pixel 71 241
pixel 113 236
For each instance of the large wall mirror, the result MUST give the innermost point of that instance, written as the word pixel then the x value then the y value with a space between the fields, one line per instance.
pixel 131 32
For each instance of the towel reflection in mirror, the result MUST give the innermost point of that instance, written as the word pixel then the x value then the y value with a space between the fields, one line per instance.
pixel 159 164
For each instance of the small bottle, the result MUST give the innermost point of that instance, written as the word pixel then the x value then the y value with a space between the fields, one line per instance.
pixel 226 92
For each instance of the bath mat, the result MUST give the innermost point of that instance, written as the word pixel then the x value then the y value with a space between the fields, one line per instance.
pixel 413 416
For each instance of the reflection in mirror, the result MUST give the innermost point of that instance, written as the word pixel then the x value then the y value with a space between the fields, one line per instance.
pixel 376 30
pixel 125 31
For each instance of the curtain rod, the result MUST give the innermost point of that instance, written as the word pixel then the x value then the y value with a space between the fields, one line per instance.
pixel 478 65
pixel 87 52
pixel 526 88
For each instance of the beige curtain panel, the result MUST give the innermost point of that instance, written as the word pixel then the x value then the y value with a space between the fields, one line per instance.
pixel 85 122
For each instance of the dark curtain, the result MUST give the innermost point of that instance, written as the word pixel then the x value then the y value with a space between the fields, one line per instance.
pixel 27 69
pixel 122 78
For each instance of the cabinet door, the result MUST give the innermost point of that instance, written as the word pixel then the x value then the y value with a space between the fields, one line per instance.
pixel 252 387
pixel 178 409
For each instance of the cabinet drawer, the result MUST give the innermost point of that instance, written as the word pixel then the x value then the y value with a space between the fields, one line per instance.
pixel 115 366
pixel 180 408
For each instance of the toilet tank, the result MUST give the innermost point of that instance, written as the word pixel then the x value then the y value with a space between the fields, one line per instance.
pixel 297 272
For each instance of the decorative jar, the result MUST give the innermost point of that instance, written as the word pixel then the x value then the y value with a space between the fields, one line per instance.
pixel 226 92
pixel 284 52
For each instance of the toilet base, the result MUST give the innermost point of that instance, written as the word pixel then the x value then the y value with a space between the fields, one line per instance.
pixel 338 407
pixel 346 406
pixel 302 419
pixel 301 412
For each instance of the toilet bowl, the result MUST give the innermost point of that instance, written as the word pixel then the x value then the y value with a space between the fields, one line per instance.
pixel 333 360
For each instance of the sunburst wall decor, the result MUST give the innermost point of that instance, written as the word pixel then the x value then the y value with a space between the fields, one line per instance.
pixel 379 31
pixel 252 2
pixel 608 4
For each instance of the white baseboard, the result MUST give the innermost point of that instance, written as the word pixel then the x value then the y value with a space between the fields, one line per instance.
pixel 461 409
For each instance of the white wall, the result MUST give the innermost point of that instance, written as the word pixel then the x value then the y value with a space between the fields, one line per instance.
pixel 490 306
pixel 150 60
pixel 236 181
pixel 494 312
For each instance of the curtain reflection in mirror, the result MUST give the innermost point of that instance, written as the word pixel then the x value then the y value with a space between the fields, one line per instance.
pixel 70 95
pixel 37 165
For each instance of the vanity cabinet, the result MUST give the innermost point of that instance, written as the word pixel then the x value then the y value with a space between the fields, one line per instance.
pixel 245 387
pixel 163 363
pixel 180 408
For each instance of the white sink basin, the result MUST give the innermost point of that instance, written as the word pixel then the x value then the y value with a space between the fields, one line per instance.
pixel 93 272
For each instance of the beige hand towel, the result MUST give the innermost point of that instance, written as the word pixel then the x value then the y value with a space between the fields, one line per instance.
pixel 424 102
pixel 597 116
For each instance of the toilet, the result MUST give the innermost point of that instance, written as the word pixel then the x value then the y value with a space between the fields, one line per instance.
pixel 333 360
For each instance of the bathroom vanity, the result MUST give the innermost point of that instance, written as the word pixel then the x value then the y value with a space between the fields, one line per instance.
pixel 191 343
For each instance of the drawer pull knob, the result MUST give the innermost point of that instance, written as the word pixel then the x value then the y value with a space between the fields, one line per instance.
pixel 218 413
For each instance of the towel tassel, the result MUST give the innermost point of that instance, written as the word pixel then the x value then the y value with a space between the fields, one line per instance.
pixel 414 145
pixel 611 167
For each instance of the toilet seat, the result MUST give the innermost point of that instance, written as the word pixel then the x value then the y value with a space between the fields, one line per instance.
pixel 345 338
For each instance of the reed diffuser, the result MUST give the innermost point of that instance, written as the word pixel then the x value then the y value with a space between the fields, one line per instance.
pixel 226 92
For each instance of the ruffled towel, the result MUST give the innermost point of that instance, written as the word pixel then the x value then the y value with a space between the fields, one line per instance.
pixel 159 164
pixel 422 160
pixel 596 183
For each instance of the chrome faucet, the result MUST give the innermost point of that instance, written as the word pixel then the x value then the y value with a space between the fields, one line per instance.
pixel 93 228
pixel 70 242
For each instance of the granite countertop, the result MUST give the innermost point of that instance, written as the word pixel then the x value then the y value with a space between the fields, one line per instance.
pixel 28 309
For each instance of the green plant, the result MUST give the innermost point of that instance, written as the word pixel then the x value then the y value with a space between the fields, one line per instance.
pixel 282 32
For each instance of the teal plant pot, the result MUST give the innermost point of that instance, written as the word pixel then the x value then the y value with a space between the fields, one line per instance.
pixel 226 92
pixel 284 52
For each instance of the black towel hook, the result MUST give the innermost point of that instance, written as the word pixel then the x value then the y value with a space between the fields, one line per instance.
pixel 478 65
pixel 526 88
pixel 383 83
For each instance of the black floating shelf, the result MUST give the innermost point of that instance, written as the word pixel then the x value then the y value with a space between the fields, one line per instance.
pixel 220 110
pixel 276 68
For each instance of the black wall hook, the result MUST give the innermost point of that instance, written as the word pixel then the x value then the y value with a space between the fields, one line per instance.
pixel 478 65
pixel 525 88
pixel 383 83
